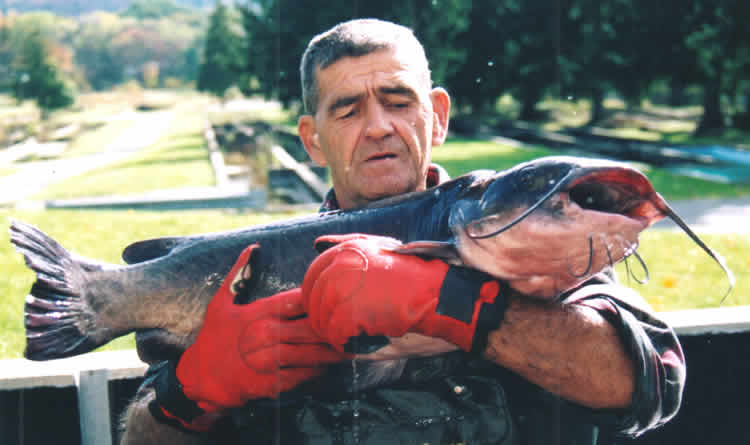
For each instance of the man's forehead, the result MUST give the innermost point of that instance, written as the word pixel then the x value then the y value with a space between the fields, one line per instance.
pixel 378 71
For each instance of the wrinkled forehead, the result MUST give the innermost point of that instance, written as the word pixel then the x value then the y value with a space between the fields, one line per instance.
pixel 379 71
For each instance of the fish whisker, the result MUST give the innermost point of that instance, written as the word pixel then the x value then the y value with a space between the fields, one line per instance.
pixel 591 261
pixel 671 214
pixel 607 246
pixel 643 266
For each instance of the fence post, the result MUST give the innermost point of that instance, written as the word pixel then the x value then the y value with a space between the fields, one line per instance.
pixel 93 407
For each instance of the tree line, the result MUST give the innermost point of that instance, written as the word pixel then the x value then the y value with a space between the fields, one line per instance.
pixel 49 58
pixel 695 52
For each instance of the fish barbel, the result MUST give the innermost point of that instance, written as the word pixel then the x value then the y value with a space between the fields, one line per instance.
pixel 544 227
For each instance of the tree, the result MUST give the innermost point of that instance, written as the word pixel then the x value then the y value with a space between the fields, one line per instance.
pixel 6 56
pixel 277 32
pixel 223 55
pixel 37 78
pixel 96 56
pixel 152 9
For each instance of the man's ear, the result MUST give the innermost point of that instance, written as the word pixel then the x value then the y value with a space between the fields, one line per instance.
pixel 441 109
pixel 309 135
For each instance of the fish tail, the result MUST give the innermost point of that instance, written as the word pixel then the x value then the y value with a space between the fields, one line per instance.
pixel 55 315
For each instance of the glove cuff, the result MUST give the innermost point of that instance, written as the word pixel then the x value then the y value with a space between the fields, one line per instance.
pixel 476 299
pixel 491 314
pixel 171 406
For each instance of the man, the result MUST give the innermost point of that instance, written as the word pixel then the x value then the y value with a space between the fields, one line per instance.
pixel 526 372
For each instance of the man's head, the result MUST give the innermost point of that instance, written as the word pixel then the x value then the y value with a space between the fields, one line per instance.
pixel 355 38
pixel 372 114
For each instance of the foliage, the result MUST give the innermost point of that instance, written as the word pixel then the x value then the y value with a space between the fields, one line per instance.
pixel 480 50
pixel 36 77
pixel 152 9
pixel 95 54
pixel 223 54
pixel 100 50
pixel 277 32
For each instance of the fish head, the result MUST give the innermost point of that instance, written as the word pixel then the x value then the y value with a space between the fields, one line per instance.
pixel 548 225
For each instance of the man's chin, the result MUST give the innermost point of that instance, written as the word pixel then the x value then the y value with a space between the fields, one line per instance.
pixel 388 190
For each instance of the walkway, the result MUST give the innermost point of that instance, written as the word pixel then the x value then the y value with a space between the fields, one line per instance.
pixel 33 177
pixel 719 215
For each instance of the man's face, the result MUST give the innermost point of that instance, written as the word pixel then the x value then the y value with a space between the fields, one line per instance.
pixel 375 126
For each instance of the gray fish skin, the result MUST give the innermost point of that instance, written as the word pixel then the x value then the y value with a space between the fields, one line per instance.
pixel 77 304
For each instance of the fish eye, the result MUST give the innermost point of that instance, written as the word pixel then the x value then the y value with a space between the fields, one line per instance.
pixel 593 196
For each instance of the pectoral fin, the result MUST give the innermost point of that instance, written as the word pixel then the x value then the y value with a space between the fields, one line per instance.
pixel 150 249
pixel 444 250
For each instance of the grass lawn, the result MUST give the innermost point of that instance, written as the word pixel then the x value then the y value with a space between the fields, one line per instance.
pixel 459 156
pixel 682 276
pixel 178 159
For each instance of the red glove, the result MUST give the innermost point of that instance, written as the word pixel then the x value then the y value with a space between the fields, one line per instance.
pixel 242 352
pixel 361 287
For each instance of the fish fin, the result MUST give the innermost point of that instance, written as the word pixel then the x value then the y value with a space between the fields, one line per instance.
pixel 445 250
pixel 55 315
pixel 325 242
pixel 146 250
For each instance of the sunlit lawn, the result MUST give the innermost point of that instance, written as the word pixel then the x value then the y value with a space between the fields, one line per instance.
pixel 178 159
pixel 459 156
pixel 682 276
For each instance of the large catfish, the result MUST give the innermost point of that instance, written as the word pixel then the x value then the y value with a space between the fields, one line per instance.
pixel 544 227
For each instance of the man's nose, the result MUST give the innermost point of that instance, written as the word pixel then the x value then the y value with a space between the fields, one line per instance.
pixel 378 122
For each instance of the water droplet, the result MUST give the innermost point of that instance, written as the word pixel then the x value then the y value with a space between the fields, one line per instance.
pixel 355 402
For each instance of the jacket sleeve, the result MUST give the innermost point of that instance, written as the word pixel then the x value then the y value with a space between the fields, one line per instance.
pixel 657 356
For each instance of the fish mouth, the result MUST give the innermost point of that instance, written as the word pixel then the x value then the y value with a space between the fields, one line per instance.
pixel 618 191
pixel 614 190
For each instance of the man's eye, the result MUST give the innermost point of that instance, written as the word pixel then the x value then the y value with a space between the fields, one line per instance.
pixel 347 114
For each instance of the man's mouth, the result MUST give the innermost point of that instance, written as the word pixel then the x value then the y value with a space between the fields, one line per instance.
pixel 381 156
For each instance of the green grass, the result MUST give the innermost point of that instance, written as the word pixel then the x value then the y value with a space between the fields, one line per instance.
pixel 178 159
pixel 682 276
pixel 459 156
pixel 98 235
pixel 7 171
pixel 97 140
pixel 179 162
pixel 674 187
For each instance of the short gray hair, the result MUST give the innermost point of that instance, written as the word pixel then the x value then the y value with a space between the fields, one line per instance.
pixel 355 38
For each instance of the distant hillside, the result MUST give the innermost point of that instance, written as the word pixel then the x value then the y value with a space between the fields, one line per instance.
pixel 78 7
